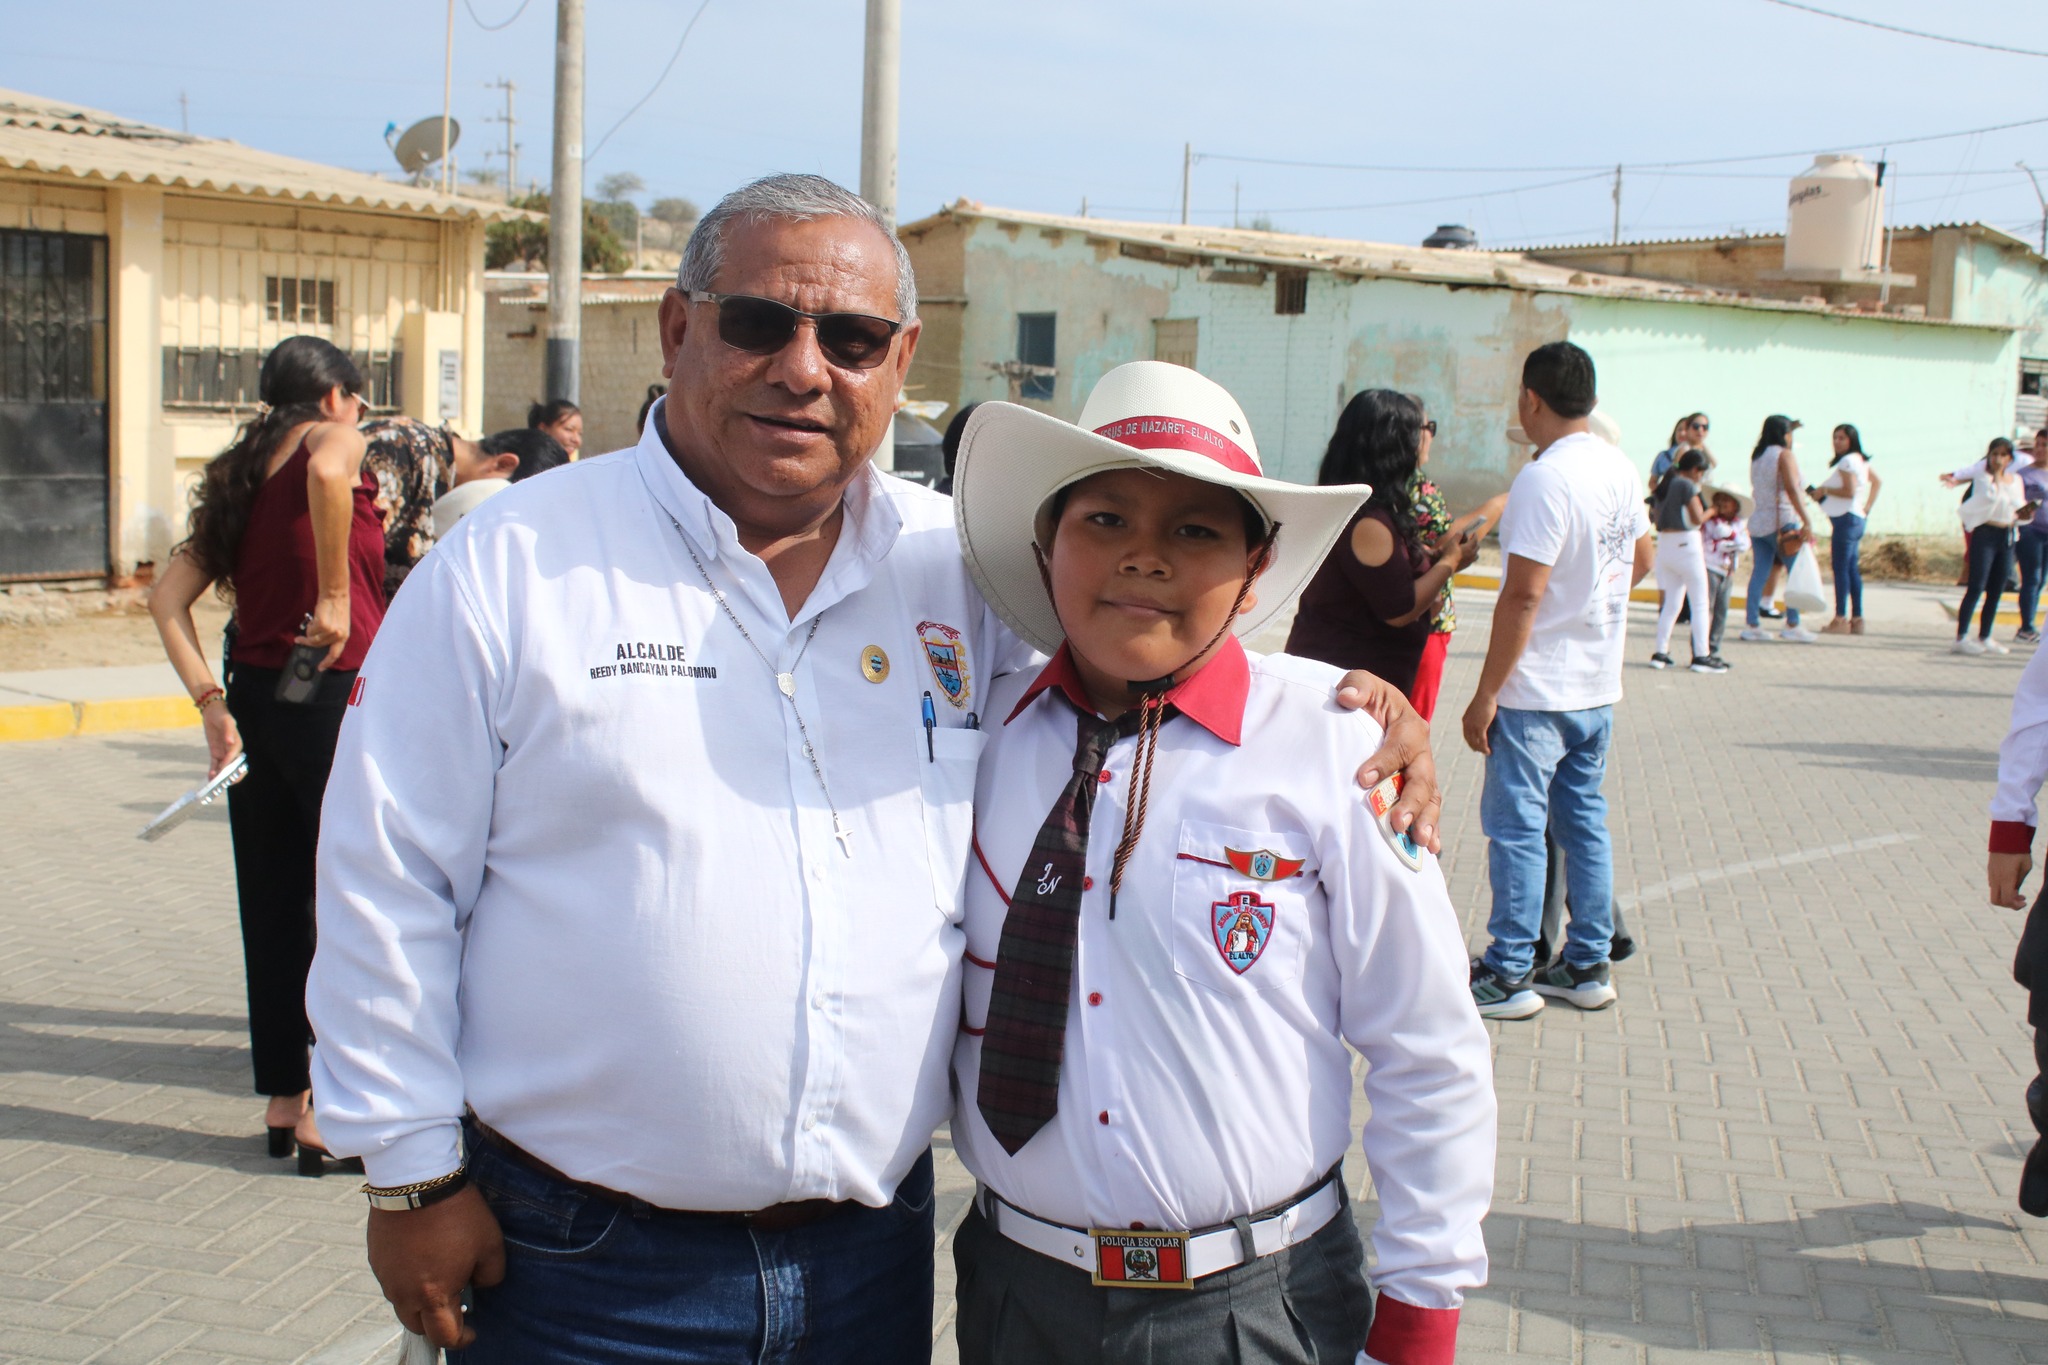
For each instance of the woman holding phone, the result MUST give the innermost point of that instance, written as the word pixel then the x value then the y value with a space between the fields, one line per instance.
pixel 1381 600
pixel 285 521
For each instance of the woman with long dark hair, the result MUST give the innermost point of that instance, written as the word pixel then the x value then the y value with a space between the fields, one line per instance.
pixel 563 420
pixel 1373 603
pixel 1997 503
pixel 1845 497
pixel 1774 537
pixel 285 521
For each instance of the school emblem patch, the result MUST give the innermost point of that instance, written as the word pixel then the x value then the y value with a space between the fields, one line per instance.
pixel 946 652
pixel 1262 865
pixel 1242 925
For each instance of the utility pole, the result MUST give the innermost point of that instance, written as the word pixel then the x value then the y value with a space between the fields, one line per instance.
pixel 511 147
pixel 565 209
pixel 1236 190
pixel 447 93
pixel 1187 170
pixel 1617 205
pixel 879 85
pixel 184 113
pixel 2044 203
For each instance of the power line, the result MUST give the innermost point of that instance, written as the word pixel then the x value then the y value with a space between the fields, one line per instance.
pixel 1909 32
pixel 1609 167
pixel 656 86
pixel 493 28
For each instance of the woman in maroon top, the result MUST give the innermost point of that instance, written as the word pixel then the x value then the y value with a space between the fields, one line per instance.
pixel 285 521
pixel 1372 604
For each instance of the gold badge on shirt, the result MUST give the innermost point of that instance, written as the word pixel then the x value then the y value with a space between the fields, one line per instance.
pixel 874 663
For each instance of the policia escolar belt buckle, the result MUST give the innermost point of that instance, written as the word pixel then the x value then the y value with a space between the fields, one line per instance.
pixel 1133 1258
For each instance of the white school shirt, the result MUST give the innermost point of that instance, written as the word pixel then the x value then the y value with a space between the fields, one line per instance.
pixel 2022 761
pixel 2020 460
pixel 1724 540
pixel 1193 1090
pixel 1993 504
pixel 576 872
pixel 1578 508
pixel 1857 500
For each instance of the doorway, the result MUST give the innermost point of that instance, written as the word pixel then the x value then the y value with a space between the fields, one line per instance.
pixel 53 405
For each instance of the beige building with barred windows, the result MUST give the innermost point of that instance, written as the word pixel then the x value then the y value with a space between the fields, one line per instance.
pixel 144 274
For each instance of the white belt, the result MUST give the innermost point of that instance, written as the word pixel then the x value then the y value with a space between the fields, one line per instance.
pixel 1141 1259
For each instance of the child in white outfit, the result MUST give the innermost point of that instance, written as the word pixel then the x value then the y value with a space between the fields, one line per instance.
pixel 1724 539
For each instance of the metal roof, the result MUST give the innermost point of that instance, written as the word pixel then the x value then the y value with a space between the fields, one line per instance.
pixel 63 140
pixel 1458 267
pixel 2000 235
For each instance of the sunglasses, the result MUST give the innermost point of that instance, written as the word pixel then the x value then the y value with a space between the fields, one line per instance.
pixel 1697 426
pixel 760 326
pixel 1430 426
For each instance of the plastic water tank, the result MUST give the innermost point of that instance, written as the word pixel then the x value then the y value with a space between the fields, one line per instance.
pixel 1834 219
pixel 1455 235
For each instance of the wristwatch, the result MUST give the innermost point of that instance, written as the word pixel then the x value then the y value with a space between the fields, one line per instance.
pixel 401 1198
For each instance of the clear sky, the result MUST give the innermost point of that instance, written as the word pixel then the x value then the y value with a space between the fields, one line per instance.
pixel 1041 105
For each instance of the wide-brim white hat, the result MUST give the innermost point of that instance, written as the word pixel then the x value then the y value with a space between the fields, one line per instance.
pixel 1143 415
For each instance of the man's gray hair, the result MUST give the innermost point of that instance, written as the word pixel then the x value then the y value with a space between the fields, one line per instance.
pixel 791 199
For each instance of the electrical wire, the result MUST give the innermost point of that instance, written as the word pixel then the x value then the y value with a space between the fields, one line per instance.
pixel 1609 167
pixel 493 28
pixel 651 89
pixel 1909 32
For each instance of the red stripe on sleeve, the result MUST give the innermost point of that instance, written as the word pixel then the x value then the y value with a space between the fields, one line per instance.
pixel 1403 1334
pixel 2010 836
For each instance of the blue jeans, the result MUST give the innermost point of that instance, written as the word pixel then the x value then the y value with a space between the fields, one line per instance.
pixel 592 1282
pixel 1843 551
pixel 1990 561
pixel 2033 555
pixel 1545 772
pixel 1763 555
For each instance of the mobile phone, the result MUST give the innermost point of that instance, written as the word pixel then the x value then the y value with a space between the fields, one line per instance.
pixel 1476 529
pixel 301 676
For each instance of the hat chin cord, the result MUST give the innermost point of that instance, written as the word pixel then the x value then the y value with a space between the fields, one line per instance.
pixel 1151 696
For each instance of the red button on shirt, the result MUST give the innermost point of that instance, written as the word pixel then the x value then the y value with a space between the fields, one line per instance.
pixel 1095 997
pixel 1087 883
pixel 1103 1117
pixel 1103 777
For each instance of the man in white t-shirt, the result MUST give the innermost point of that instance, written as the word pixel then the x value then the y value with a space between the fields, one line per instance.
pixel 1577 538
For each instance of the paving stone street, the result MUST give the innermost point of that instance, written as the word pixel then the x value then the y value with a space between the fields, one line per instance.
pixel 1796 1137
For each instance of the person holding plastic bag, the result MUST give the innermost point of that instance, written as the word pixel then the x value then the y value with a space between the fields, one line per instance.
pixel 1775 538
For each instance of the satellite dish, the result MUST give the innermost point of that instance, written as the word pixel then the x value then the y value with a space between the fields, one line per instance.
pixel 420 145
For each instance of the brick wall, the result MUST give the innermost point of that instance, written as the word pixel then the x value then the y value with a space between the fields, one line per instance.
pixel 621 356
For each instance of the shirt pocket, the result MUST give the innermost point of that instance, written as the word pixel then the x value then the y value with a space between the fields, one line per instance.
pixel 1240 908
pixel 946 782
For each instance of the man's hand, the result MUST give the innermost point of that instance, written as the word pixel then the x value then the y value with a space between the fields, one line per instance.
pixel 2006 872
pixel 1478 720
pixel 424 1258
pixel 1404 749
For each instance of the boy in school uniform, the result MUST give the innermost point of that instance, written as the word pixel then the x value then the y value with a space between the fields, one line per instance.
pixel 1178 917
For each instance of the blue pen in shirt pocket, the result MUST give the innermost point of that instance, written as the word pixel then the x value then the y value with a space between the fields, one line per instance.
pixel 931 724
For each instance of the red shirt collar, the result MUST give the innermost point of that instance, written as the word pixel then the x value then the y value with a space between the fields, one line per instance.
pixel 1214 698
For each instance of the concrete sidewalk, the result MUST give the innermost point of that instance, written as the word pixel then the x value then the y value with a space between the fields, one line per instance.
pixel 54 703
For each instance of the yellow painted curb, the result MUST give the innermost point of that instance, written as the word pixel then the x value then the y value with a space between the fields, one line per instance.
pixel 138 713
pixel 51 720
pixel 62 719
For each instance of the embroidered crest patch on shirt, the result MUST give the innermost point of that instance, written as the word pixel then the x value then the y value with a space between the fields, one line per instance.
pixel 946 652
pixel 1243 925
pixel 1262 865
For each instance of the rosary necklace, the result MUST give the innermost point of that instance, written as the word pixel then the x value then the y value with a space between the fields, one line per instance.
pixel 785 683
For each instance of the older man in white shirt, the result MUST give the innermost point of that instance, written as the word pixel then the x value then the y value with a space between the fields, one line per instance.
pixel 642 857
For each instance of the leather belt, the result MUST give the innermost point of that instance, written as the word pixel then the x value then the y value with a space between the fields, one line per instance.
pixel 1168 1260
pixel 774 1218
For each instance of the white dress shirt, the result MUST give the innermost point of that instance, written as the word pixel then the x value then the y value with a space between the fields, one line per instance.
pixel 1192 1092
pixel 577 873
pixel 2022 761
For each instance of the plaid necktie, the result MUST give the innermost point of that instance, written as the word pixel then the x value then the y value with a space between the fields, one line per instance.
pixel 1027 1008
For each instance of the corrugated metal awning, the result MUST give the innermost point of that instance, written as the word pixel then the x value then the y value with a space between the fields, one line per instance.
pixel 74 143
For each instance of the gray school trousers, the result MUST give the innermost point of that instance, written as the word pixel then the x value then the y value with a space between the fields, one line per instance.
pixel 1306 1305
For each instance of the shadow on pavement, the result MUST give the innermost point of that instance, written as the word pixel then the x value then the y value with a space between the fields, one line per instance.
pixel 1896 760
pixel 51 1039
pixel 243 1155
pixel 1707 1285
